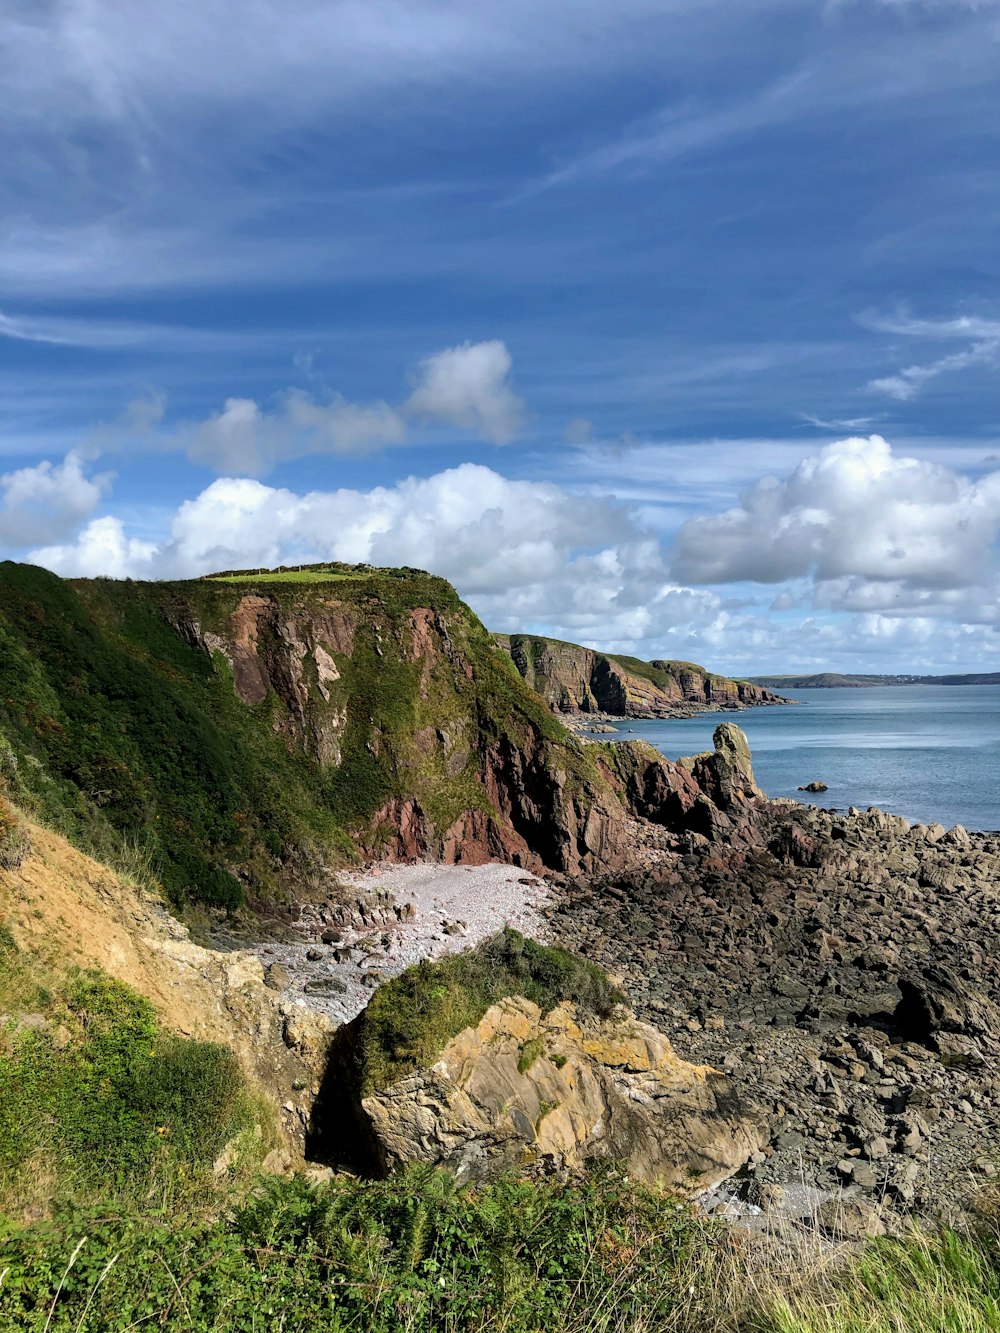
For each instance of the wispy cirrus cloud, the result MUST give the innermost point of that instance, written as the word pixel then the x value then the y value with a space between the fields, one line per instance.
pixel 983 334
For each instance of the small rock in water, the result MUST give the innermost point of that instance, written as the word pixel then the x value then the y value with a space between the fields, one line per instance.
pixel 814 786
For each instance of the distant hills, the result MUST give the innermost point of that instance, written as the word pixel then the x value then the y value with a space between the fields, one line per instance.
pixel 832 680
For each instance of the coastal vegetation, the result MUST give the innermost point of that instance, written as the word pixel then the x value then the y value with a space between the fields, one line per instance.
pixel 411 1018
pixel 420 1252
pixel 120 728
pixel 163 728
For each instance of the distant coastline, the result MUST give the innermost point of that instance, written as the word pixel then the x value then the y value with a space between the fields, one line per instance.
pixel 832 680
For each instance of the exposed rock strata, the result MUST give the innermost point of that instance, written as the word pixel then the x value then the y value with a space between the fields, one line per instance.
pixel 554 1090
pixel 574 679
pixel 844 970
pixel 81 913
pixel 530 798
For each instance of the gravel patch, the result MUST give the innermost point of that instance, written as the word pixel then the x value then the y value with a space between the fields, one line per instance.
pixel 402 913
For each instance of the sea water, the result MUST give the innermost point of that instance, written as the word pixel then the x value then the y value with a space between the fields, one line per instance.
pixel 929 752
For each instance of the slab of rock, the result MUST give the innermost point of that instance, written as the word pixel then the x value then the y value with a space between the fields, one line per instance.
pixel 556 1089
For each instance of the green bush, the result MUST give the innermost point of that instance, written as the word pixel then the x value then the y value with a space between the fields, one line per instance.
pixel 416 1253
pixel 412 1017
pixel 94 1091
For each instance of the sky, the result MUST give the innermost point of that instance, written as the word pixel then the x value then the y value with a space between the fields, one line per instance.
pixel 666 326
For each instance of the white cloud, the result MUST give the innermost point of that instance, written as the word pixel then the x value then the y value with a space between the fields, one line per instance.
pixel 981 332
pixel 101 549
pixel 521 551
pixel 906 384
pixel 48 500
pixel 853 516
pixel 244 438
pixel 465 386
pixel 468 386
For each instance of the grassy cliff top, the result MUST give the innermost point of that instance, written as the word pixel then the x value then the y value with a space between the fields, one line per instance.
pixel 124 732
pixel 656 671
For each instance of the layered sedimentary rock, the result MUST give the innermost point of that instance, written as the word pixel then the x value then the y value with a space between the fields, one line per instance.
pixel 524 1088
pixel 476 772
pixel 573 679
pixel 72 911
pixel 253 733
pixel 843 969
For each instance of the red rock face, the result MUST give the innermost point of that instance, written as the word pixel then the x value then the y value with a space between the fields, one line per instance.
pixel 537 805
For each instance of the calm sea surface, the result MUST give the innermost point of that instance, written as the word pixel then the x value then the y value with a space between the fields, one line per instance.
pixel 929 752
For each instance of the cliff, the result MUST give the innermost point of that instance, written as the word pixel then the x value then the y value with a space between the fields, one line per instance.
pixel 573 679
pixel 64 911
pixel 243 736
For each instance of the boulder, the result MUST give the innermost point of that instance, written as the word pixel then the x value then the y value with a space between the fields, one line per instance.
pixel 946 1012
pixel 524 1088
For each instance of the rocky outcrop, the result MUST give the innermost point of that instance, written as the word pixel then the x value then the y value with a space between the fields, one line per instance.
pixel 83 914
pixel 515 789
pixel 293 653
pixel 255 733
pixel 573 679
pixel 843 970
pixel 556 1090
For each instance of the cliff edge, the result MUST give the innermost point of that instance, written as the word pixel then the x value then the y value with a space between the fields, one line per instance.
pixel 573 679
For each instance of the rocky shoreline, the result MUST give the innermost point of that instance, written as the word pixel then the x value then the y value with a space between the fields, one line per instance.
pixel 841 970
pixel 844 972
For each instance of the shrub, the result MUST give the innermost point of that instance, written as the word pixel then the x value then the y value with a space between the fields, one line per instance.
pixel 411 1018
pixel 95 1092
pixel 15 844
pixel 417 1253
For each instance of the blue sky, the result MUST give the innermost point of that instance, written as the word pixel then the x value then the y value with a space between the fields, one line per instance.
pixel 666 325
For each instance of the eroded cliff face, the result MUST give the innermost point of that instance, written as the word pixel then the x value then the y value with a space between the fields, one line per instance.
pixel 436 747
pixel 255 733
pixel 559 1089
pixel 74 912
pixel 573 679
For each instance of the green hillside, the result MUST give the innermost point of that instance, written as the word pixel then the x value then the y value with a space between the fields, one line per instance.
pixel 123 727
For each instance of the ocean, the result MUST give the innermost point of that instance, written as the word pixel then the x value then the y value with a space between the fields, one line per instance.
pixel 929 752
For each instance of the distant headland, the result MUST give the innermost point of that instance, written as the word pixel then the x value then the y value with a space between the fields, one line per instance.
pixel 832 680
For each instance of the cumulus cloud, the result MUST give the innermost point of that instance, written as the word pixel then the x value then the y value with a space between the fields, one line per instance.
pixel 468 386
pixel 465 386
pixel 101 549
pixel 523 552
pixel 868 559
pixel 48 500
pixel 873 530
pixel 246 439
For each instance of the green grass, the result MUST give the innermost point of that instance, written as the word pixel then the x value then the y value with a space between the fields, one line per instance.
pixel 417 1253
pixel 95 1099
pixel 938 1282
pixel 421 1254
pixel 285 576
pixel 411 1018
